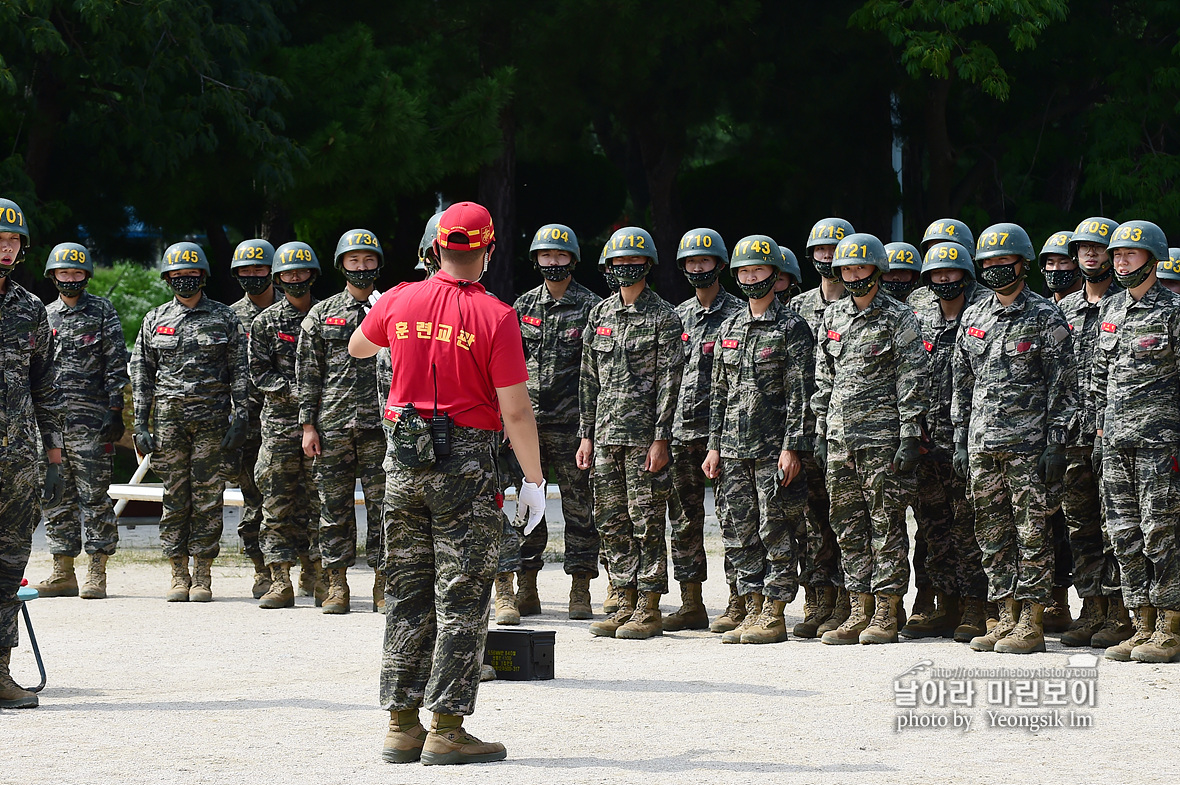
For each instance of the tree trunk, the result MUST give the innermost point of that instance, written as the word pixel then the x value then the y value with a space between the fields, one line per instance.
pixel 661 161
pixel 940 152
pixel 497 192
pixel 222 285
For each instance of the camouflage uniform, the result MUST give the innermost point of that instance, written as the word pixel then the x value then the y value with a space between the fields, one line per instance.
pixel 1095 568
pixel 1015 387
pixel 870 376
pixel 690 432
pixel 336 394
pixel 944 514
pixel 248 527
pixel 760 392
pixel 188 372
pixel 283 473
pixel 91 359
pixel 1136 370
pixel 447 523
pixel 31 403
pixel 552 332
pixel 819 561
pixel 630 379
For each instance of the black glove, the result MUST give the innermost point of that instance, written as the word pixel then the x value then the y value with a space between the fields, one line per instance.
pixel 143 440
pixel 821 452
pixel 235 437
pixel 906 459
pixel 51 496
pixel 112 428
pixel 1051 466
pixel 1096 457
pixel 960 462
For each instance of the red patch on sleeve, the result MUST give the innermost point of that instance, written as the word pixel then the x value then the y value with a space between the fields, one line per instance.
pixel 766 352
pixel 602 331
pixel 929 346
pixel 500 500
pixel 285 337
pixel 1023 346
pixel 533 320
pixel 165 330
pixel 336 320
pixel 708 346
pixel 975 332
pixel 1109 327
pixel 729 343
pixel 833 335
pixel 574 332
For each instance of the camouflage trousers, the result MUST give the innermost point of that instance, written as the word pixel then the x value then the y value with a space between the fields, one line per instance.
pixel 946 523
pixel 1141 495
pixel 20 512
pixel 194 468
pixel 509 560
pixel 558 447
pixel 251 523
pixel 86 477
pixel 1012 526
pixel 630 508
pixel 283 475
pixel 758 527
pixel 1095 568
pixel 442 535
pixel 508 472
pixel 346 456
pixel 819 558
pixel 686 511
pixel 868 509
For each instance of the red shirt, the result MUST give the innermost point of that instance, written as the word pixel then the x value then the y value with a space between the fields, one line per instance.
pixel 472 340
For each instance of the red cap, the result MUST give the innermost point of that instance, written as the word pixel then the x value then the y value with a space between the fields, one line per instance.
pixel 465 226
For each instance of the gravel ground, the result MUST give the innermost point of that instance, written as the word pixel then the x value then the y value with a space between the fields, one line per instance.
pixel 143 691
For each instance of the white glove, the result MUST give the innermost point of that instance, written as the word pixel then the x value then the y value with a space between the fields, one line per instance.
pixel 373 298
pixel 530 506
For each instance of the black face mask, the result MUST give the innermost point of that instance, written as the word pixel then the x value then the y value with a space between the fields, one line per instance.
pixel 757 290
pixel 1099 275
pixel 701 280
pixel 1060 280
pixel 629 274
pixel 864 285
pixel 611 281
pixel 253 284
pixel 1135 277
pixel 361 279
pixel 949 290
pixel 71 288
pixel 786 295
pixel 296 290
pixel 557 273
pixel 187 285
pixel 823 268
pixel 898 290
pixel 1001 278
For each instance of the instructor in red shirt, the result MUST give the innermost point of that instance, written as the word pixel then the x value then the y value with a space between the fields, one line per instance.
pixel 458 368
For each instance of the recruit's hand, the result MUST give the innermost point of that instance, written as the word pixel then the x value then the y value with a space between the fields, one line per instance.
pixel 1051 466
pixel 311 441
pixel 657 456
pixel 712 465
pixel 112 427
pixel 235 437
pixel 51 496
pixel 789 466
pixel 906 459
pixel 961 462
pixel 144 442
pixel 530 506
pixel 821 452
pixel 1096 457
pixel 585 454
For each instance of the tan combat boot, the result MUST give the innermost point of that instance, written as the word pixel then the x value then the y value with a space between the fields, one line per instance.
pixel 1009 613
pixel 840 613
pixel 403 742
pixel 378 591
pixel 448 744
pixel 320 590
pixel 991 615
pixel 754 603
pixel 606 628
pixel 12 695
pixel 918 624
pixel 646 622
pixel 1117 627
pixel 692 614
pixel 281 593
pixel 95 587
pixel 1164 645
pixel 883 626
pixel 506 608
pixel 973 623
pixel 771 626
pixel 1145 622
pixel 610 603
pixel 202 588
pixel 824 607
pixel 527 600
pixel 262 577
pixel 308 573
pixel 734 614
pixel 810 609
pixel 1088 622
pixel 339 599
pixel 181 582
pixel 580 607
pixel 63 582
pixel 938 621
pixel 1028 635
pixel 1057 616
pixel 861 610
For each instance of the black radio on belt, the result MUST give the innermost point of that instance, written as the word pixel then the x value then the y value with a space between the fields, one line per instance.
pixel 441 424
